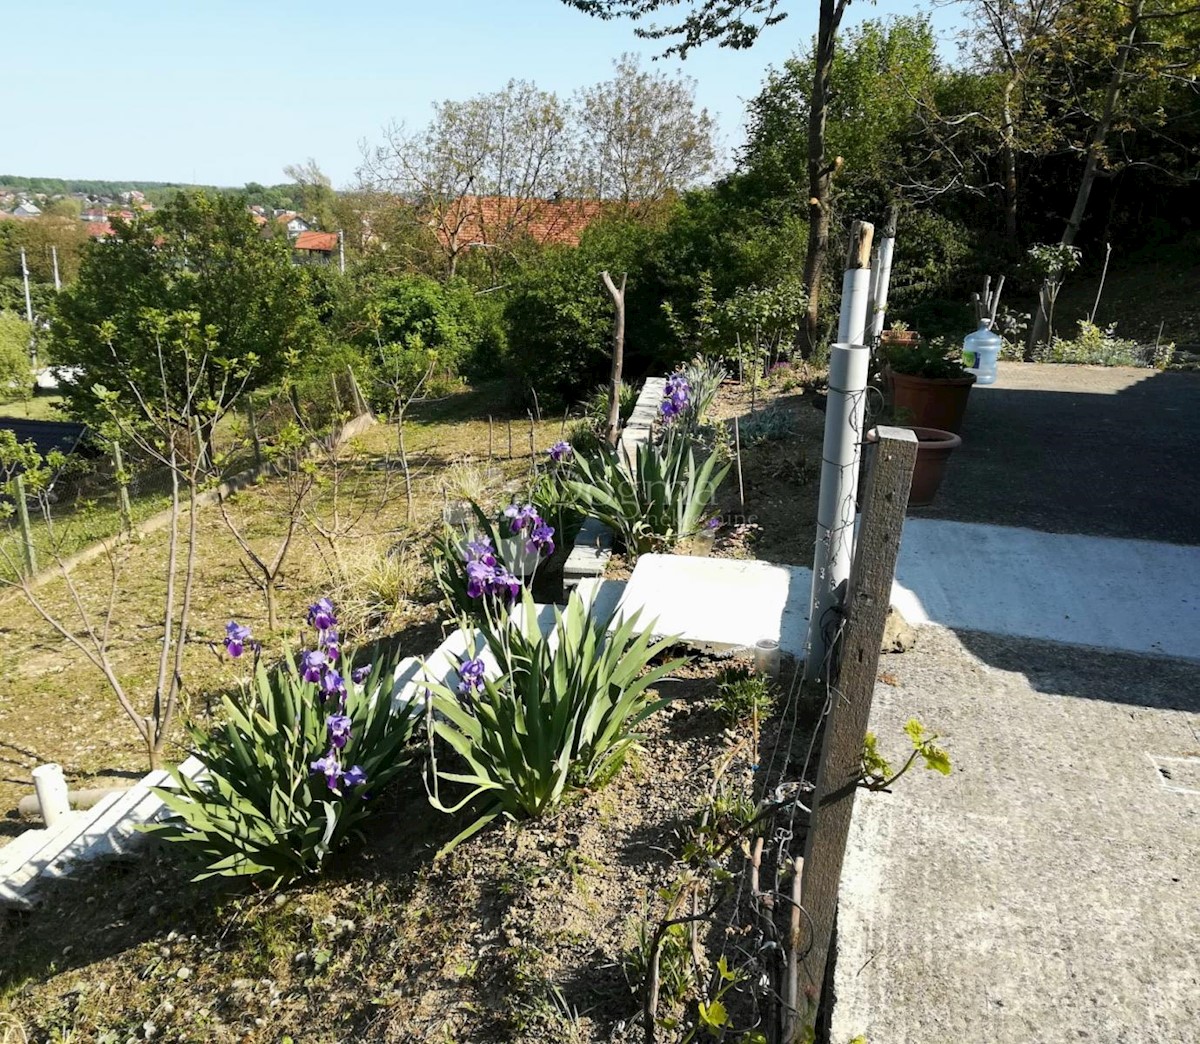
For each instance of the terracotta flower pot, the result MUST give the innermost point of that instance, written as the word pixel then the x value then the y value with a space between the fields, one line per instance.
pixel 930 402
pixel 933 451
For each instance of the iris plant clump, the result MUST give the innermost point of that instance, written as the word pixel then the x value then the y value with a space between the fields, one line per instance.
pixel 287 772
pixel 479 574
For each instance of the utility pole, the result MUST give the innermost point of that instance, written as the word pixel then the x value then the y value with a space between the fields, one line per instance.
pixel 341 251
pixel 54 258
pixel 29 311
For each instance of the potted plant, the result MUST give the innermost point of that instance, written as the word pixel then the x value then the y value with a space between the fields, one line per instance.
pixel 929 384
pixel 933 453
pixel 898 335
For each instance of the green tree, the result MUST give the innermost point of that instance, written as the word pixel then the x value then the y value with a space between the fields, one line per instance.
pixel 200 255
pixel 643 137
pixel 16 376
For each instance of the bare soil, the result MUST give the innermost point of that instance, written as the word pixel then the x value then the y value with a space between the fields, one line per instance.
pixel 523 933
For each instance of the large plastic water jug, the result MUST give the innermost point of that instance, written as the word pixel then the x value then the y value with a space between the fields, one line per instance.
pixel 980 352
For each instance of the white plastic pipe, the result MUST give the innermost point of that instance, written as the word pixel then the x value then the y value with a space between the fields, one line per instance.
pixel 883 279
pixel 852 320
pixel 51 790
pixel 848 364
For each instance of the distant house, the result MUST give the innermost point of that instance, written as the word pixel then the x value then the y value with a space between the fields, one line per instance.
pixel 94 214
pixel 99 230
pixel 315 248
pixel 26 209
pixel 292 222
pixel 483 221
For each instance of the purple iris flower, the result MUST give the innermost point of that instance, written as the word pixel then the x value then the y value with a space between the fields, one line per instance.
pixel 321 615
pixel 561 451
pixel 505 585
pixel 541 539
pixel 339 726
pixel 470 677
pixel 332 684
pixel 713 523
pixel 329 767
pixel 312 663
pixel 481 550
pixel 361 674
pixel 237 636
pixel 354 776
pixel 479 575
pixel 521 516
pixel 330 643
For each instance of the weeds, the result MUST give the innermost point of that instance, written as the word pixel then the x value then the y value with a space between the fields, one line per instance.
pixel 743 695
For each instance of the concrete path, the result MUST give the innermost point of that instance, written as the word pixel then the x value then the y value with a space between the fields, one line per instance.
pixel 1080 449
pixel 1049 889
pixel 1130 595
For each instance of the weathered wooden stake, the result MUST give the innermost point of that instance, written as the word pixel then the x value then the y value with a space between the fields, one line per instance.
pixel 26 529
pixel 252 424
pixel 532 451
pixel 878 546
pixel 737 453
pixel 122 488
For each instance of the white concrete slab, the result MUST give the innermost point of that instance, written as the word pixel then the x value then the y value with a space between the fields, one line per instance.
pixel 721 604
pixel 1127 595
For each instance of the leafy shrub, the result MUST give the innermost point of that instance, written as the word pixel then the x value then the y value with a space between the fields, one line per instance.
pixel 742 694
pixel 663 500
pixel 16 374
pixel 560 710
pixel 287 774
pixel 1100 346
pixel 936 358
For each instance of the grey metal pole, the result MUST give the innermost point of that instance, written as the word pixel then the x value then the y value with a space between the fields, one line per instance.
pixel 29 311
pixel 54 258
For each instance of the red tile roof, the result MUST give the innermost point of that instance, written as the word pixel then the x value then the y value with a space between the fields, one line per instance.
pixel 326 242
pixel 99 229
pixel 546 221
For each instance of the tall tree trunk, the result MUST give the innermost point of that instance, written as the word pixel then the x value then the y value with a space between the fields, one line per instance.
pixel 1040 326
pixel 1008 148
pixel 820 173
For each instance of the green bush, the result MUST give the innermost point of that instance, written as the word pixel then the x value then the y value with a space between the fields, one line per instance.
pixel 293 772
pixel 1100 346
pixel 560 710
pixel 936 358
pixel 16 374
pixel 663 501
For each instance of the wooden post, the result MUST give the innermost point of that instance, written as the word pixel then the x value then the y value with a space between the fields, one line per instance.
pixel 532 451
pixel 252 424
pixel 613 433
pixel 122 488
pixel 26 529
pixel 201 451
pixel 884 505
pixel 361 405
pixel 737 453
pixel 337 399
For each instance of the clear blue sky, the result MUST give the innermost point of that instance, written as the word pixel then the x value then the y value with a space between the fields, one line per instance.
pixel 229 91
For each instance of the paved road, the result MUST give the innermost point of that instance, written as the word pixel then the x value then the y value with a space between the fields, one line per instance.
pixel 1080 449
